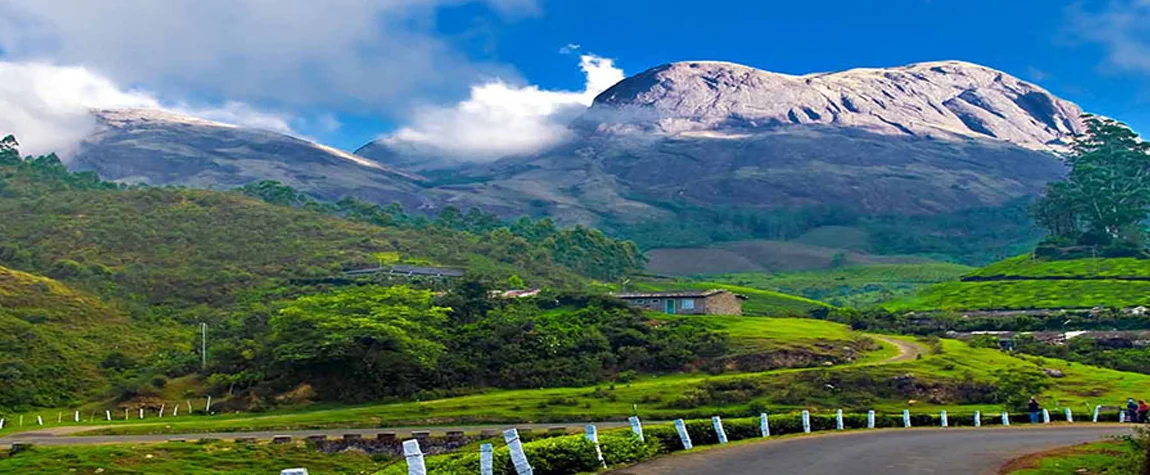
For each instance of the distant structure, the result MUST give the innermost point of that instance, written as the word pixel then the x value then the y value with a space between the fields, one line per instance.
pixel 406 271
pixel 687 302
pixel 514 294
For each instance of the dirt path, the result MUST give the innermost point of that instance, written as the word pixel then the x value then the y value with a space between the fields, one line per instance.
pixel 907 351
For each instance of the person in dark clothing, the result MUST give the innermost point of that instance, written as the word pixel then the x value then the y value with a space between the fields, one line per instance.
pixel 1143 408
pixel 1035 410
pixel 1131 410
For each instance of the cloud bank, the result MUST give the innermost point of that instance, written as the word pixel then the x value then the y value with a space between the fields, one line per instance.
pixel 48 107
pixel 364 55
pixel 1122 29
pixel 499 119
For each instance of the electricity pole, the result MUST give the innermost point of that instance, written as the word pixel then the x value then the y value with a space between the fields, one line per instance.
pixel 203 345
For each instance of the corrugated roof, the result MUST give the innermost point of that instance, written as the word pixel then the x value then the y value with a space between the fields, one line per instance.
pixel 687 294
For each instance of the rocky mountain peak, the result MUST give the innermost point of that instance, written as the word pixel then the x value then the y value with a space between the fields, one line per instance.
pixel 946 99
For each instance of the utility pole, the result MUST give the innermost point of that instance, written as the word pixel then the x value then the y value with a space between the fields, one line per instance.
pixel 203 345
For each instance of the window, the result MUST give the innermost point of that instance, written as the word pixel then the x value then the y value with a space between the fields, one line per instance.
pixel 654 300
pixel 640 301
pixel 687 304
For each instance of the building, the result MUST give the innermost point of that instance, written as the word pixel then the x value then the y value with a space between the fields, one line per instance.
pixel 688 302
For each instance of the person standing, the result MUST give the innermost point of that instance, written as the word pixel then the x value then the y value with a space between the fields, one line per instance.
pixel 1035 410
pixel 1143 408
pixel 1131 410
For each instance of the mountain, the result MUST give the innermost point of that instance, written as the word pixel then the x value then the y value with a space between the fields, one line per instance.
pixel 162 148
pixel 922 139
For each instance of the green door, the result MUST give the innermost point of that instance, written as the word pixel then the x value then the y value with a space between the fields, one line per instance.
pixel 670 306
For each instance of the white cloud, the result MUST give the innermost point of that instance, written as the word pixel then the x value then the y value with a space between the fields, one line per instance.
pixel 47 106
pixel 1121 28
pixel 499 119
pixel 365 55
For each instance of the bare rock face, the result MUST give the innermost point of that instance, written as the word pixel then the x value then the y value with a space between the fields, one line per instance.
pixel 160 148
pixel 921 139
pixel 945 100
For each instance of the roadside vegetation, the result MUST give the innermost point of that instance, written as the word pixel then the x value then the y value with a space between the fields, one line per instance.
pixel 175 458
pixel 1122 456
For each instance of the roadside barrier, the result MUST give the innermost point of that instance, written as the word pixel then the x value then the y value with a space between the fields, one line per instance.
pixel 550 454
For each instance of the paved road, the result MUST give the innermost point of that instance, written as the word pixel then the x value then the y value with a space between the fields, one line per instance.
pixel 894 452
pixel 58 437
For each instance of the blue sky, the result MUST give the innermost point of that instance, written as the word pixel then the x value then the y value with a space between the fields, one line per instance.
pixel 463 74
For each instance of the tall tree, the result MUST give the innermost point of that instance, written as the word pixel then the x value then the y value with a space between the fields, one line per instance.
pixel 1107 193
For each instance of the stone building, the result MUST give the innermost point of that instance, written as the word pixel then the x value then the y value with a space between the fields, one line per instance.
pixel 688 302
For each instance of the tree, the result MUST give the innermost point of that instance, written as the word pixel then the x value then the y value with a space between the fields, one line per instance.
pixel 9 152
pixel 359 343
pixel 1106 196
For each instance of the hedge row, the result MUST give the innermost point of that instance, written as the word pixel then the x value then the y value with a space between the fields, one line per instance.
pixel 573 454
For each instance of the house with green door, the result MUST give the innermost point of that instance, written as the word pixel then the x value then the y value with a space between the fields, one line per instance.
pixel 687 302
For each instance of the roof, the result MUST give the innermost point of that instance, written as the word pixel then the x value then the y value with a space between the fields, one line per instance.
pixel 688 294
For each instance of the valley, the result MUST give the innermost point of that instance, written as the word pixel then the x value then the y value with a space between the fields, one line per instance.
pixel 936 238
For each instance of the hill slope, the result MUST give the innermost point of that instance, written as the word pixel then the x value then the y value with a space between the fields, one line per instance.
pixel 53 340
pixel 161 148
pixel 921 139
pixel 1025 282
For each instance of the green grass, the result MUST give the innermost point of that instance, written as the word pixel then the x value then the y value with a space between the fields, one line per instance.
pixel 1026 294
pixel 1026 266
pixel 54 338
pixel 181 458
pixel 759 302
pixel 785 390
pixel 1091 459
pixel 854 286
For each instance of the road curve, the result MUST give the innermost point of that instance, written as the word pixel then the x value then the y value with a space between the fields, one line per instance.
pixel 894 452
pixel 907 351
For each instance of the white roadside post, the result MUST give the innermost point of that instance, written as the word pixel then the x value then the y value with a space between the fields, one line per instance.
pixel 21 420
pixel 1045 416
pixel 942 419
pixel 39 420
pixel 870 419
pixel 806 422
pixel 59 417
pixel 717 423
pixel 592 435
pixel 208 407
pixel 764 425
pixel 108 415
pixel 978 418
pixel 1096 409
pixel 906 418
pixel 1005 418
pixel 839 419
pixel 162 410
pixel 486 460
pixel 76 418
pixel 1121 417
pixel 1069 415
pixel 1 424
pixel 637 427
pixel 125 413
pixel 518 458
pixel 684 436
pixel 176 409
pixel 414 456
pixel 141 413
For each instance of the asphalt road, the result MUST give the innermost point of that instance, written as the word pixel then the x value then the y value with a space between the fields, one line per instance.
pixel 57 437
pixel 895 452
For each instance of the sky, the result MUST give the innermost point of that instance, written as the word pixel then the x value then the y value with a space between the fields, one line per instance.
pixel 480 79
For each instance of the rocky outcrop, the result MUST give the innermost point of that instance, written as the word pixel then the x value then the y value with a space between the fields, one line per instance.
pixel 945 100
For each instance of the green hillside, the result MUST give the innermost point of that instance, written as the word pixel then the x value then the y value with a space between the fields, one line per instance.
pixel 1025 282
pixel 759 302
pixel 853 286
pixel 58 345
